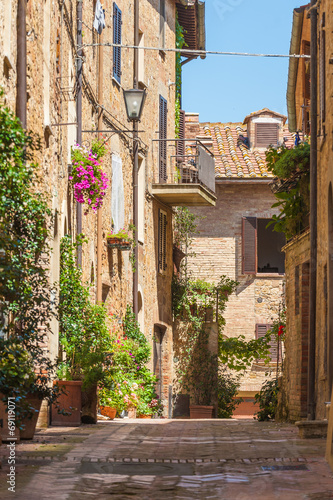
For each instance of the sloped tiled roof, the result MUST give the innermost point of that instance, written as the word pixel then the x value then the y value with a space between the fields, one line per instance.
pixel 232 160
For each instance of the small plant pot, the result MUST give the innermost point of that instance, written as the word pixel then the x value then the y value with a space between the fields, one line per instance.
pixel 199 411
pixel 70 401
pixel 132 413
pixel 144 416
pixel 107 411
pixel 119 243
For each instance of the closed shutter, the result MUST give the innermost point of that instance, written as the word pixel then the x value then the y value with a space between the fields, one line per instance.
pixel 181 144
pixel 163 112
pixel 162 240
pixel 322 86
pixel 266 134
pixel 117 22
pixel 306 65
pixel 249 245
pixel 261 330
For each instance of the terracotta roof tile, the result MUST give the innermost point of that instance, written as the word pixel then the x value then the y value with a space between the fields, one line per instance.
pixel 232 158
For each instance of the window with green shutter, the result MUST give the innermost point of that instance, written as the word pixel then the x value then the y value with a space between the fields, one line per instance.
pixel 162 240
pixel 163 125
pixel 117 23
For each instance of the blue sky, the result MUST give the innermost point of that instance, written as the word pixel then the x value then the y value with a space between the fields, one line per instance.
pixel 227 88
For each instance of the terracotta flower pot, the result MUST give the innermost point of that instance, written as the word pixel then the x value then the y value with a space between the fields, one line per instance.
pixel 70 401
pixel 199 411
pixel 132 413
pixel 4 431
pixel 144 416
pixel 30 423
pixel 107 411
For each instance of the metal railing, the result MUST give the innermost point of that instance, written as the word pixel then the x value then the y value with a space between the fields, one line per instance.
pixel 183 161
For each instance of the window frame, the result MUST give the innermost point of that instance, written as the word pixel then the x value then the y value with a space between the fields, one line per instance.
pixel 162 241
pixel 272 348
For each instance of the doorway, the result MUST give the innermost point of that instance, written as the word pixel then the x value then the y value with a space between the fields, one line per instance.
pixel 330 293
pixel 157 358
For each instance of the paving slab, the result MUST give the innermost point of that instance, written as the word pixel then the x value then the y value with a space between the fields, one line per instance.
pixel 170 459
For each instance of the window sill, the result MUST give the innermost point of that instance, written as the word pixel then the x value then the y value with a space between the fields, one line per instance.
pixel 269 275
pixel 114 80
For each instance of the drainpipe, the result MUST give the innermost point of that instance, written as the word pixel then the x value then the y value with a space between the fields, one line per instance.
pixel 99 211
pixel 313 218
pixel 136 166
pixel 21 96
pixel 79 115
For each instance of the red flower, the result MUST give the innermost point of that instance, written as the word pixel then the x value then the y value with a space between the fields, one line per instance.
pixel 281 330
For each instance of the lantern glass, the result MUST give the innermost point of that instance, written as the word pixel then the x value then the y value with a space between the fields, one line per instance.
pixel 134 102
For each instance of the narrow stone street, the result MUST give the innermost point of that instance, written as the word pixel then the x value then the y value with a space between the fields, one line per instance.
pixel 170 459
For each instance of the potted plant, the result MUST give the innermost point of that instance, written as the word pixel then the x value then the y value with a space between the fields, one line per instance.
pixel 110 402
pixel 144 410
pixel 86 344
pixel 119 239
pixel 88 180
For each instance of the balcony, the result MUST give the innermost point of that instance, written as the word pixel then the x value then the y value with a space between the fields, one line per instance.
pixel 185 173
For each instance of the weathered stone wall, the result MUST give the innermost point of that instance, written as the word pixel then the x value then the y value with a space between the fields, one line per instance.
pixel 51 67
pixel 324 319
pixel 293 397
pixel 218 250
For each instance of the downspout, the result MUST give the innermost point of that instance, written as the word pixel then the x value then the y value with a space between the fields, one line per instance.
pixel 79 115
pixel 99 211
pixel 313 218
pixel 21 64
pixel 136 166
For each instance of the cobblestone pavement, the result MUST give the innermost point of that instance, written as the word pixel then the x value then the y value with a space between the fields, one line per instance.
pixel 170 459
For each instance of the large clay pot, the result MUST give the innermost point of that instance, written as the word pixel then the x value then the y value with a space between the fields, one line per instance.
pixel 70 401
pixel 107 411
pixel 198 411
pixel 29 424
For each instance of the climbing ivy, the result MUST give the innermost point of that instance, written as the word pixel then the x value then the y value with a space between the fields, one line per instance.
pixel 25 292
pixel 291 167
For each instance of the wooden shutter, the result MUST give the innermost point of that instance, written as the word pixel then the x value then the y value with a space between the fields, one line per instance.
pixel 266 134
pixel 249 245
pixel 117 22
pixel 261 330
pixel 322 71
pixel 162 240
pixel 163 113
pixel 181 144
pixel 306 71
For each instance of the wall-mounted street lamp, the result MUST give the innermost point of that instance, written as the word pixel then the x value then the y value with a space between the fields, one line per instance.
pixel 134 102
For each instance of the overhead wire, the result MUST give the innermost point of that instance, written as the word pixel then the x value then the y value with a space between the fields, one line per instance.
pixel 196 52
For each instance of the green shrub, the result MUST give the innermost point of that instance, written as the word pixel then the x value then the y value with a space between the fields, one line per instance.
pixel 268 400
pixel 227 389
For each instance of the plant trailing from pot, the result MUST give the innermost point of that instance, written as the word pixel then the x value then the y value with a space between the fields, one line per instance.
pixel 88 180
pixel 84 332
pixel 25 292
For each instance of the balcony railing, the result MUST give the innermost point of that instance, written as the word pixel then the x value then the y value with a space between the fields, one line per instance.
pixel 183 161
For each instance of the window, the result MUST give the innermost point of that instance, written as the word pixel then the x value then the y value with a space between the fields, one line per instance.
pixel 266 134
pixel 322 71
pixel 296 290
pixel 163 123
pixel 141 199
pixel 162 225
pixel 261 247
pixel 117 194
pixel 117 22
pixel 162 24
pixel 181 135
pixel 261 330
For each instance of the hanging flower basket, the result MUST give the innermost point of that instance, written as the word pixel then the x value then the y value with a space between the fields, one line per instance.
pixel 88 180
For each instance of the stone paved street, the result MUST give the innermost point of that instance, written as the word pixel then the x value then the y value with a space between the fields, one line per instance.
pixel 170 459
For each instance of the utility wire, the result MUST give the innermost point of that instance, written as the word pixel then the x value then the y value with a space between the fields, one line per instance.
pixel 196 52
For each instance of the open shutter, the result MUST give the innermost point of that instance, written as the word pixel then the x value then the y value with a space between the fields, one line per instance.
pixel 266 134
pixel 162 224
pixel 249 245
pixel 322 71
pixel 163 110
pixel 261 330
pixel 181 144
pixel 117 22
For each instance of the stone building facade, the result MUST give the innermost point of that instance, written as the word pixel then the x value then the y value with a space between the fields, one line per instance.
pixel 233 239
pixel 295 385
pixel 52 91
